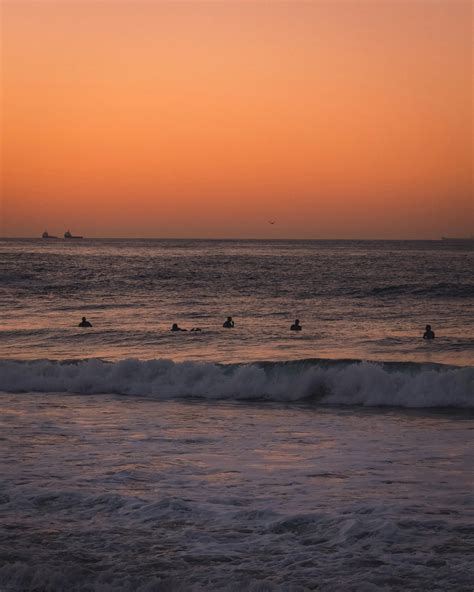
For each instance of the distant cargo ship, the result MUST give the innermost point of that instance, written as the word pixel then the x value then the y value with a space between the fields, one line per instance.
pixel 67 234
pixel 46 235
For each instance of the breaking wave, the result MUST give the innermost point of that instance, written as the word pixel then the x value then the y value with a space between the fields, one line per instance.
pixel 328 382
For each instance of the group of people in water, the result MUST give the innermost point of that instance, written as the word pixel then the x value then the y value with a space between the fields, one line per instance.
pixel 229 324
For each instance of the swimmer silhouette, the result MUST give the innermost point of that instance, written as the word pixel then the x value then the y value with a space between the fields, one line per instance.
pixel 84 323
pixel 296 326
pixel 428 334
pixel 176 328
pixel 229 324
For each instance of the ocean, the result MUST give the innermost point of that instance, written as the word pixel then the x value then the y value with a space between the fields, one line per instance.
pixel 254 458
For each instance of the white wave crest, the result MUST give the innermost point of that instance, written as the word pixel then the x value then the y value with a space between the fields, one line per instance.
pixel 351 383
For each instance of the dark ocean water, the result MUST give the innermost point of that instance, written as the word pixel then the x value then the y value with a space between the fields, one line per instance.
pixel 356 299
pixel 133 459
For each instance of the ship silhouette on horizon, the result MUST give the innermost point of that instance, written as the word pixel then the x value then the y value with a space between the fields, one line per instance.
pixel 68 234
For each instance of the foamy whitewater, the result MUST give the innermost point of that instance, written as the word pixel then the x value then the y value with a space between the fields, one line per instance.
pixel 136 459
pixel 321 382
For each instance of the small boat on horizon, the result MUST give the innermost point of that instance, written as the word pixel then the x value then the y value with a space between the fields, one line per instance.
pixel 67 234
pixel 47 235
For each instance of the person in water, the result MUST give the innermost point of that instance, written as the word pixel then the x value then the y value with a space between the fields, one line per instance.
pixel 428 334
pixel 296 326
pixel 176 328
pixel 84 323
pixel 229 324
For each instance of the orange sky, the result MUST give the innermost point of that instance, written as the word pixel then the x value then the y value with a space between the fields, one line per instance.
pixel 207 119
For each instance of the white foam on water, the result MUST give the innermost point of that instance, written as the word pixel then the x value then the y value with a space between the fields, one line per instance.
pixel 100 493
pixel 331 383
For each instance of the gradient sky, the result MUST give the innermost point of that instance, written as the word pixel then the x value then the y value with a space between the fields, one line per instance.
pixel 336 119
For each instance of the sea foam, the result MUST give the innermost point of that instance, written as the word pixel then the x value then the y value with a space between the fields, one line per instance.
pixel 320 381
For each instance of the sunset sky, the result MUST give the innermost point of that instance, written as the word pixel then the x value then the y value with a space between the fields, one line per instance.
pixel 336 119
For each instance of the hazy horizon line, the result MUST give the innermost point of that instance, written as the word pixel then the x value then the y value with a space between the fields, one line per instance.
pixel 254 238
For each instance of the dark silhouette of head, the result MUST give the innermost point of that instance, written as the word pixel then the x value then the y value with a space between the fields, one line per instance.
pixel 174 327
pixel 297 321
pixel 428 328
pixel 83 319
pixel 229 318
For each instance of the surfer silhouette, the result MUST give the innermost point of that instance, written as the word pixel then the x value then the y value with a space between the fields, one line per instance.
pixel 428 334
pixel 85 323
pixel 296 326
pixel 229 324
pixel 176 328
